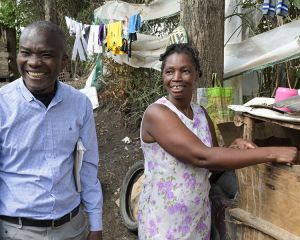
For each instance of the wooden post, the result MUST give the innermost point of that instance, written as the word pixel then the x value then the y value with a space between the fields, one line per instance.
pixel 248 129
pixel 262 225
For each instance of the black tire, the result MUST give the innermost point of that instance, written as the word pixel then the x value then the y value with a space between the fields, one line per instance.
pixel 132 175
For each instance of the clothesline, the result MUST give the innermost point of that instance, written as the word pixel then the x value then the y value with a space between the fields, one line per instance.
pixel 115 37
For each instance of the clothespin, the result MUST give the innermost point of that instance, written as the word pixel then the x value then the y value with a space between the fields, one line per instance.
pixel 139 13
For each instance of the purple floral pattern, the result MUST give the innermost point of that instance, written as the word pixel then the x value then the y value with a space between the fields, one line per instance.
pixel 174 202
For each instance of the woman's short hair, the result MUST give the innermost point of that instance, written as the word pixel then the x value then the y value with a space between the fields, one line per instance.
pixel 181 48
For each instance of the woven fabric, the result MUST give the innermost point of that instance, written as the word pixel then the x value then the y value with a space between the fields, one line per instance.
pixel 178 36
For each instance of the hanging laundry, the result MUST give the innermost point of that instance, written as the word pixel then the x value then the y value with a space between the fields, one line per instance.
pixel 282 8
pixel 135 23
pixel 80 44
pixel 132 38
pixel 124 47
pixel 272 7
pixel 102 34
pixel 125 27
pixel 114 37
pixel 70 25
pixel 86 29
pixel 93 43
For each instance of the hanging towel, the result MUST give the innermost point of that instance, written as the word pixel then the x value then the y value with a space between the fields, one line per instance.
pixel 80 45
pixel 132 38
pixel 71 25
pixel 93 45
pixel 282 8
pixel 272 7
pixel 102 34
pixel 86 34
pixel 266 6
pixel 114 37
pixel 135 23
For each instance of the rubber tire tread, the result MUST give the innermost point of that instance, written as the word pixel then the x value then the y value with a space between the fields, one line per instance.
pixel 125 190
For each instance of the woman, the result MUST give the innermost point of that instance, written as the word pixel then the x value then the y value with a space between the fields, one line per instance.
pixel 179 145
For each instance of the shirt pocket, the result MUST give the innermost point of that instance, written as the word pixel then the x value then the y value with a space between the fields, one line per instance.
pixel 65 137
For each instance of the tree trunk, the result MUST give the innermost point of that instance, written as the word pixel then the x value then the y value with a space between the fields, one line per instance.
pixel 50 11
pixel 204 23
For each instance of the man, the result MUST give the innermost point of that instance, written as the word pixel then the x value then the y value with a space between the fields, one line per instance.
pixel 41 120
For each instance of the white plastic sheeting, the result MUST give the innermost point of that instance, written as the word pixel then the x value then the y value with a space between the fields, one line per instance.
pixel 277 45
pixel 274 46
pixel 232 24
pixel 240 21
pixel 145 52
pixel 263 112
pixel 117 10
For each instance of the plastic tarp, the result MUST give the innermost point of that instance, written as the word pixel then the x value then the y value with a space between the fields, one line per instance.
pixel 263 112
pixel 145 52
pixel 263 50
pixel 260 51
pixel 117 10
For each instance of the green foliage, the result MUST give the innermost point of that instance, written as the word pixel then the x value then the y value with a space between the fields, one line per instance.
pixel 132 89
pixel 283 74
pixel 145 86
pixel 9 14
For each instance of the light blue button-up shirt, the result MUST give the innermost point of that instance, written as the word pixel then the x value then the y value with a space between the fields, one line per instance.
pixel 36 154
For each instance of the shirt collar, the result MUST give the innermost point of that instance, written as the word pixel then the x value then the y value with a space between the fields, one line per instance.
pixel 29 97
pixel 24 91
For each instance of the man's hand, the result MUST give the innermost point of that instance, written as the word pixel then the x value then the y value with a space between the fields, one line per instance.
pixel 95 235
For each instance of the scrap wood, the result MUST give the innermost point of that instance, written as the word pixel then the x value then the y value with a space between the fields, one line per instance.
pixel 261 225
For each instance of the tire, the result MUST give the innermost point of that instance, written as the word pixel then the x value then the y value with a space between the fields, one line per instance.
pixel 134 173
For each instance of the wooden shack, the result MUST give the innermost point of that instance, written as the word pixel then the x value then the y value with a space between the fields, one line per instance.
pixel 268 194
pixel 4 55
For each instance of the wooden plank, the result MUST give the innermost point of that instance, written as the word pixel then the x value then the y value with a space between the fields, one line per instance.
pixel 271 192
pixel 4 54
pixel 248 129
pixel 294 125
pixel 3 67
pixel 4 75
pixel 268 191
pixel 244 232
pixel 262 225
pixel 3 61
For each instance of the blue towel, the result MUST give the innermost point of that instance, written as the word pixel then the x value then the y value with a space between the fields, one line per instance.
pixel 135 23
pixel 272 7
pixel 282 8
pixel 266 6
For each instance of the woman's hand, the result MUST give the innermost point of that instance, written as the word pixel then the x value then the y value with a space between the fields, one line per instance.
pixel 288 155
pixel 240 143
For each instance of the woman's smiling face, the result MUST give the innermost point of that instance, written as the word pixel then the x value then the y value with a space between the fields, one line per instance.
pixel 179 75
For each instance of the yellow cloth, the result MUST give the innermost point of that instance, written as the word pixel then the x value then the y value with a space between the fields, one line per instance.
pixel 114 37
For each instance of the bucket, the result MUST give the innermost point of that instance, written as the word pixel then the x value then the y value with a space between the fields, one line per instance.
pixel 283 93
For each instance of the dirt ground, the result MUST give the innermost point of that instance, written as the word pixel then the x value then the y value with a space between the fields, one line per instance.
pixel 115 159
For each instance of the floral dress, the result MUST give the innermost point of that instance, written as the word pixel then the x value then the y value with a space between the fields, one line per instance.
pixel 174 201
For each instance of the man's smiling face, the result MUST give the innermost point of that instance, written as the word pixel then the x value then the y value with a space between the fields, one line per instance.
pixel 40 59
